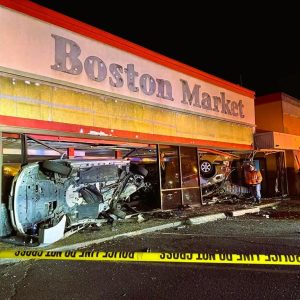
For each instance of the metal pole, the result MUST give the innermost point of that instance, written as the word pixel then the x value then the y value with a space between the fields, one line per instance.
pixel 180 174
pixel 159 173
pixel 24 159
pixel 199 177
pixel 285 173
pixel 5 227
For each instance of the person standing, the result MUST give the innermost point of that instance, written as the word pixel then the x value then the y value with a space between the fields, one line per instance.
pixel 253 179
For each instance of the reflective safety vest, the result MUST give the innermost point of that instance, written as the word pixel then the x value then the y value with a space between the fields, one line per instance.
pixel 253 177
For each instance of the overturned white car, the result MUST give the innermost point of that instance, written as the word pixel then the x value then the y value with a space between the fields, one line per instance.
pixel 51 197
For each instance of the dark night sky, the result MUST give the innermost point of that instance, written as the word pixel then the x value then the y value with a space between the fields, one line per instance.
pixel 239 41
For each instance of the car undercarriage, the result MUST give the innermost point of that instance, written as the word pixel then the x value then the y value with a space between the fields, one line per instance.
pixel 66 193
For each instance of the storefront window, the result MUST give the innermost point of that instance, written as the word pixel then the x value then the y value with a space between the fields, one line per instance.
pixel 169 166
pixel 179 178
pixel 190 176
pixel 191 196
pixel 189 167
pixel 171 199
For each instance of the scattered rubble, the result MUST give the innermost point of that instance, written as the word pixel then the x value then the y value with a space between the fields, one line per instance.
pixel 181 227
pixel 140 218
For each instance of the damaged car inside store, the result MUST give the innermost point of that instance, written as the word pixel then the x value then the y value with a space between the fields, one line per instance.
pixel 222 176
pixel 52 194
pixel 55 187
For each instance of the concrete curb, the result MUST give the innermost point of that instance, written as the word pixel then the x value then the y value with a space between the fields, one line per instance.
pixel 6 261
pixel 205 219
pixel 242 212
pixel 269 204
pixel 253 210
pixel 126 234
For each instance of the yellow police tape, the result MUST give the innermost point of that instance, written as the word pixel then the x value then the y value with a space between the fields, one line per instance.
pixel 163 257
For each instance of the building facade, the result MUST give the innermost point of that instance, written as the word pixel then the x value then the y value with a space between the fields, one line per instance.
pixel 67 84
pixel 278 129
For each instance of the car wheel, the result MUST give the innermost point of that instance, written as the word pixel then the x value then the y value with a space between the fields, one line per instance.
pixel 89 196
pixel 207 169
pixel 56 167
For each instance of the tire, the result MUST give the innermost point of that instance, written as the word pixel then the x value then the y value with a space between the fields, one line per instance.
pixel 89 196
pixel 207 169
pixel 138 170
pixel 56 167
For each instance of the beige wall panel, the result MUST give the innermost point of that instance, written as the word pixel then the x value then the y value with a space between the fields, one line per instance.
pixel 52 103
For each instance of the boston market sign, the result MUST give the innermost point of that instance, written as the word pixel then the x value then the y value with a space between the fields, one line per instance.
pixel 67 59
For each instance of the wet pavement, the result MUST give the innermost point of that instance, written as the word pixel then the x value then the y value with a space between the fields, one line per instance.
pixel 251 233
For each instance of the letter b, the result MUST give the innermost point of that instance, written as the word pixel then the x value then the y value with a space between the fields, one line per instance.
pixel 66 60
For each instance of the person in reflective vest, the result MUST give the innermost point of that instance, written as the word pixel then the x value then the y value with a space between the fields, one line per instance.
pixel 253 179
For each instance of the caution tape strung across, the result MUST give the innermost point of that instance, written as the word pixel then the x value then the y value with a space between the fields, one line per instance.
pixel 164 257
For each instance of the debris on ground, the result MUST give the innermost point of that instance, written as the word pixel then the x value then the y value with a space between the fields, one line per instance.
pixel 181 227
pixel 113 218
pixel 266 216
pixel 140 218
